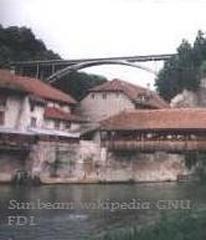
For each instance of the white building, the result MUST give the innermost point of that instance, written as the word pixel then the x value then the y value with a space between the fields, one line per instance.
pixel 27 103
pixel 116 96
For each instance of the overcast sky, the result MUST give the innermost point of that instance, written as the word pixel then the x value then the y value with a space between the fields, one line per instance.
pixel 101 28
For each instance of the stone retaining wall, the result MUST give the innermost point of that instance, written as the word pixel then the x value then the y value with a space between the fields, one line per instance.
pixel 87 162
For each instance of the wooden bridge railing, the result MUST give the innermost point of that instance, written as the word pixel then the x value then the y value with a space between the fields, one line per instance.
pixel 152 146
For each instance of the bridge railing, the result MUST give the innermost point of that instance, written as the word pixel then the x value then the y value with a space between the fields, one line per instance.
pixel 44 69
pixel 157 145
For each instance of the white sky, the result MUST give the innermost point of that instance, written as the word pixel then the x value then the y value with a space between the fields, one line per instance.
pixel 103 28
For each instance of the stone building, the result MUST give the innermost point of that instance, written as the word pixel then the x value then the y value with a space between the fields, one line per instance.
pixel 115 96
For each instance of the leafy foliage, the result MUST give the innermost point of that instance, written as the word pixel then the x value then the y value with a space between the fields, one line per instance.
pixel 78 83
pixel 184 70
pixel 20 44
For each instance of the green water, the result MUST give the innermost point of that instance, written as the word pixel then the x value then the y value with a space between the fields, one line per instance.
pixel 91 210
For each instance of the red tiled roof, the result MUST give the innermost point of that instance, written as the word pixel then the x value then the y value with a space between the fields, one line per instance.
pixel 134 92
pixel 56 113
pixel 179 118
pixel 33 86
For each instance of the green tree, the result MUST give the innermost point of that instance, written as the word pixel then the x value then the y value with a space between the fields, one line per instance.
pixel 183 70
pixel 20 44
pixel 199 48
pixel 203 69
pixel 78 83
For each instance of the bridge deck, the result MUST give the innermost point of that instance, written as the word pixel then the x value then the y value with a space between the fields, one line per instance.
pixel 48 69
pixel 137 58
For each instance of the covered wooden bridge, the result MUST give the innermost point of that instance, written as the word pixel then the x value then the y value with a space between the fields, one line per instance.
pixel 170 130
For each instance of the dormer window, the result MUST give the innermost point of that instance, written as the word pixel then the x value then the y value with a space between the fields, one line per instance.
pixel 143 97
pixel 140 98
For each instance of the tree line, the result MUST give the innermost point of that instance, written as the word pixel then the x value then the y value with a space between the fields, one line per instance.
pixel 184 70
pixel 21 44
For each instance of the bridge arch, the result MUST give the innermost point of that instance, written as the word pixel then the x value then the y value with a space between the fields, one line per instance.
pixel 61 73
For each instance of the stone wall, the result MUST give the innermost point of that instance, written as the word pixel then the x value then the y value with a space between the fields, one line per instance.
pixel 141 167
pixel 66 162
pixel 10 163
pixel 87 162
pixel 97 106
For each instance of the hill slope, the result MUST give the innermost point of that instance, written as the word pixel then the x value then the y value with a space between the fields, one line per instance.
pixel 20 44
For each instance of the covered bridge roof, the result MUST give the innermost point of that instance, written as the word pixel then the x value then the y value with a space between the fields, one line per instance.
pixel 179 118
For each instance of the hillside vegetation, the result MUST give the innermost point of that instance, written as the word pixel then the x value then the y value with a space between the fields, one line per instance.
pixel 20 44
pixel 184 70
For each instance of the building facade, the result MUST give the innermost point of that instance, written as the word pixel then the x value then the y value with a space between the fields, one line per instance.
pixel 116 96
pixel 27 103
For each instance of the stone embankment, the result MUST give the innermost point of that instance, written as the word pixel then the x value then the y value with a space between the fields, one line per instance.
pixel 87 162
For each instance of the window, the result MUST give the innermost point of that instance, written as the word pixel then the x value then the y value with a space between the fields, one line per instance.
pixel 104 135
pixel 33 122
pixel 141 98
pixel 3 99
pixel 32 106
pixel 57 124
pixel 68 125
pixel 104 95
pixel 61 105
pixel 2 118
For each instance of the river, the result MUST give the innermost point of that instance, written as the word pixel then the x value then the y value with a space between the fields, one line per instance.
pixel 64 212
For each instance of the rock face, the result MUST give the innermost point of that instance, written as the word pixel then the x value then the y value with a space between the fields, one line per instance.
pixel 191 98
pixel 185 99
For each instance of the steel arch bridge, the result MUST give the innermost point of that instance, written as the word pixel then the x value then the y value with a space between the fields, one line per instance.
pixel 52 70
pixel 67 70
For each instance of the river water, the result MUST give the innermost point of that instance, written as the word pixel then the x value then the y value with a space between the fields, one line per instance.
pixel 64 212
